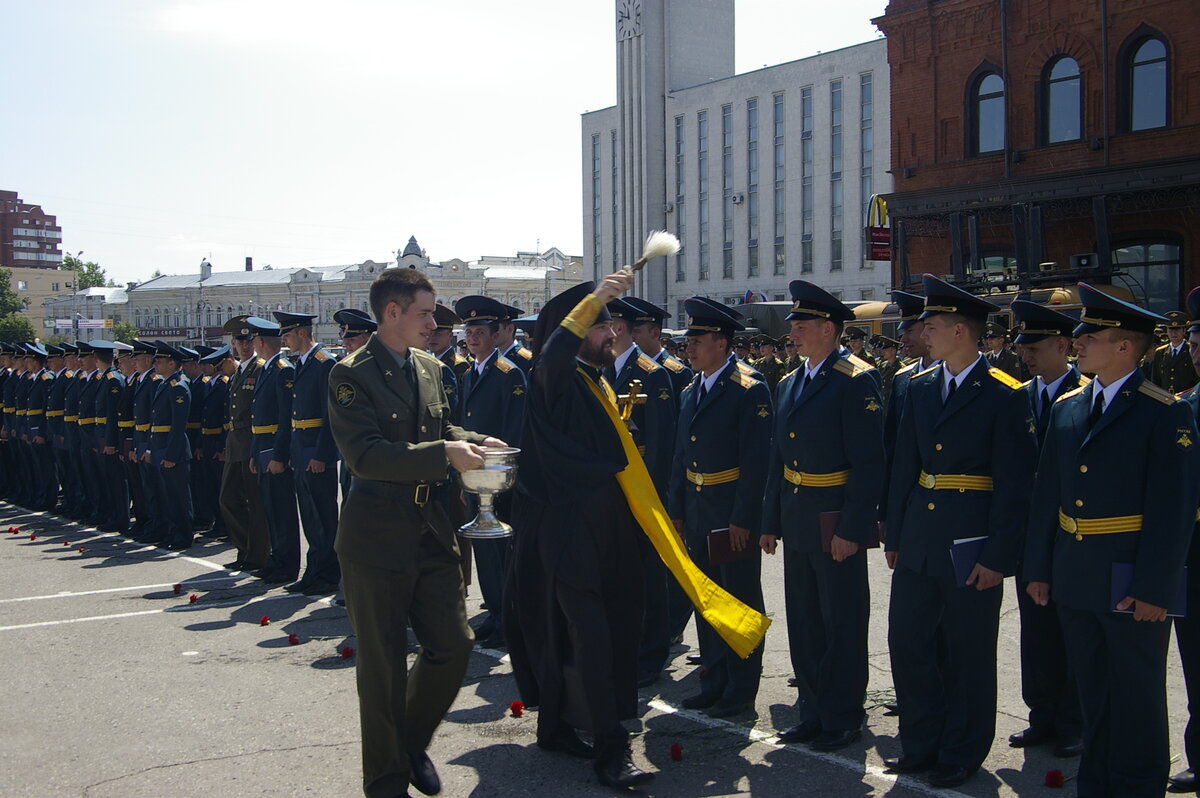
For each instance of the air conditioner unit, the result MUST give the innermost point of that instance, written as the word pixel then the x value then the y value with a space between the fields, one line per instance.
pixel 738 199
pixel 668 207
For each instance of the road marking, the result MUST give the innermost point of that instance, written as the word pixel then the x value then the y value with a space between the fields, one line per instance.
pixel 767 738
pixel 68 594
pixel 173 608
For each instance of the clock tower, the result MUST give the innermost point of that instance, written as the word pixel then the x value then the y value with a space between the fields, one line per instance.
pixel 662 45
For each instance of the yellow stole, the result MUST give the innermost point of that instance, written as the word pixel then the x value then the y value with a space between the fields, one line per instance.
pixel 740 626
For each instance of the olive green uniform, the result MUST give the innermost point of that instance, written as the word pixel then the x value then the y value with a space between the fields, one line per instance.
pixel 399 557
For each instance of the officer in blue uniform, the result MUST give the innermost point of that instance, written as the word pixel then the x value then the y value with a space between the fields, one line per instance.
pixel 1109 529
pixel 356 331
pixel 314 454
pixel 111 478
pixel 92 468
pixel 219 365
pixel 75 501
pixel 169 450
pixel 964 460
pixel 1043 336
pixel 717 482
pixel 652 419
pixel 492 404
pixel 202 514
pixel 129 361
pixel 1187 628
pixel 152 525
pixel 55 426
pixel 45 484
pixel 826 455
pixel 271 415
pixel 7 390
pixel 441 346
pixel 506 342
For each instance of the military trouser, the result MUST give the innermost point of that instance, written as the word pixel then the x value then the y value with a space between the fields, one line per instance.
pixel 283 523
pixel 242 511
pixel 316 496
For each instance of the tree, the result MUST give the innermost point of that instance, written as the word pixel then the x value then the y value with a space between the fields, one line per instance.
pixel 14 328
pixel 124 331
pixel 88 275
pixel 10 302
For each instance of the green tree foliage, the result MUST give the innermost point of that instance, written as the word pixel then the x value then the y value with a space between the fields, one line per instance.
pixel 124 331
pixel 14 328
pixel 10 302
pixel 90 274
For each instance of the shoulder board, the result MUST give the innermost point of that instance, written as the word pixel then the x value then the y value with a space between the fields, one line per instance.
pixel 745 369
pixel 357 358
pixel 790 373
pixel 647 364
pixel 504 364
pixel 907 368
pixel 1084 380
pixel 459 359
pixel 1069 394
pixel 223 379
pixel 851 366
pixel 743 379
pixel 421 353
pixel 525 353
pixel 673 363
pixel 112 375
pixel 1163 348
pixel 1004 378
pixel 173 383
pixel 260 361
pixel 926 371
pixel 1156 393
pixel 282 363
pixel 46 376
pixel 68 373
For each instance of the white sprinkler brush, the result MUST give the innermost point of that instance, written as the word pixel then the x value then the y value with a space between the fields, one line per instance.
pixel 659 244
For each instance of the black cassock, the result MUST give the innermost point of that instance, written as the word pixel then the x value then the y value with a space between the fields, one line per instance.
pixel 574 593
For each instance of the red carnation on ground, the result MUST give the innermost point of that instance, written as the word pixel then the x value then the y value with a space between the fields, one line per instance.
pixel 263 621
pixel 12 530
pixel 347 652
pixel 82 549
pixel 33 536
pixel 177 588
pixel 293 640
pixel 517 709
pixel 676 752
pixel 1054 778
pixel 66 543
pixel 192 599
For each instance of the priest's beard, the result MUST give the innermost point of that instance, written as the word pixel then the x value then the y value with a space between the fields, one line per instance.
pixel 599 355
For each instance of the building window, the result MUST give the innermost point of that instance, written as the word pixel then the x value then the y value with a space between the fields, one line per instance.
pixel 680 267
pixel 596 207
pixel 867 294
pixel 53 286
pixel 702 177
pixel 806 181
pixel 1153 263
pixel 727 192
pixel 780 177
pixel 987 114
pixel 1063 101
pixel 866 103
pixel 1148 85
pixel 615 182
pixel 752 187
pixel 836 199
pixel 22 285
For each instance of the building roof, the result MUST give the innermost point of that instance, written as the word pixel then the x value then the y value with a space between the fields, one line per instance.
pixel 324 274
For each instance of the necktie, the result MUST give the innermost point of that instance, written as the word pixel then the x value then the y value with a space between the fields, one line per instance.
pixel 610 373
pixel 701 393
pixel 1045 403
pixel 1097 409
pixel 950 390
pixel 802 385
pixel 410 375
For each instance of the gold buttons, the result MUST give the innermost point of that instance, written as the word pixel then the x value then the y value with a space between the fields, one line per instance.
pixel 393 415
pixel 469 415
pixel 698 488
pixel 795 490
pixel 795 463
pixel 937 447
pixel 1083 469
pixel 695 464
pixel 931 505
pixel 791 434
pixel 1079 502
pixel 422 428
pixel 693 437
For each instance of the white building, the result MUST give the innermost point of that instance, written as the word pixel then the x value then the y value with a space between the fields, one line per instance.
pixel 765 176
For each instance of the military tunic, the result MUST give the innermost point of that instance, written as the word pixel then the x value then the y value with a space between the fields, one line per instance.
pixel 1171 372
pixel 312 439
pixel 241 499
pixel 168 444
pixel 271 412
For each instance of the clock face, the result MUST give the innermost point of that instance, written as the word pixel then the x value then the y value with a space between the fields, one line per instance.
pixel 629 18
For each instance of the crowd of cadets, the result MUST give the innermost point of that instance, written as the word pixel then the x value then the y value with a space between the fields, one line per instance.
pixel 162 442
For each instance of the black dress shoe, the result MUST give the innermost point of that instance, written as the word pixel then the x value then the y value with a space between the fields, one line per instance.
pixel 835 739
pixel 804 732
pixel 727 709
pixel 1183 781
pixel 277 578
pixel 699 701
pixel 423 775
pixel 298 587
pixel 1030 737
pixel 320 589
pixel 236 565
pixel 620 773
pixel 1068 747
pixel 695 659
pixel 913 763
pixel 568 742
pixel 944 776
pixel 178 545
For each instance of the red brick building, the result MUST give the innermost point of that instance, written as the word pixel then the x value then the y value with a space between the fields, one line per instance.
pixel 30 238
pixel 1029 132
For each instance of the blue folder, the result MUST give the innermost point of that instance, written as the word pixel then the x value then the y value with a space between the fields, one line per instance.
pixel 1122 581
pixel 964 553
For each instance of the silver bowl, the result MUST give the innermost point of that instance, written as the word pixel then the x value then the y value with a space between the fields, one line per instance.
pixel 499 473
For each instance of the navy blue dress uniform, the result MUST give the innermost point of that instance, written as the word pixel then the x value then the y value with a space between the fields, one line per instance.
pixel 1004 359
pixel 93 469
pixel 910 307
pixel 312 440
pixel 202 519
pixel 962 468
pixel 649 313
pixel 7 392
pixel 127 451
pixel 108 440
pixel 454 365
pixel 355 323
pixel 717 481
pixel 518 353
pixel 170 450
pixel 56 426
pixel 213 431
pixel 271 414
pixel 492 403
pixel 1169 366
pixel 826 455
pixel 26 493
pixel 1101 502
pixel 76 501
pixel 652 425
pixel 45 495
pixel 1047 685
pixel 154 525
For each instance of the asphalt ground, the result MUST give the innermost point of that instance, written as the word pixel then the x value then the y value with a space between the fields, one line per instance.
pixel 118 686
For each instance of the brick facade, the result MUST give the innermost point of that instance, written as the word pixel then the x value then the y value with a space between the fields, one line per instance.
pixel 1070 197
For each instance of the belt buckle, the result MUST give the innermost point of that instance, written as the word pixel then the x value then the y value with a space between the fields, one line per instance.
pixel 1071 526
pixel 699 479
pixel 421 494
pixel 929 481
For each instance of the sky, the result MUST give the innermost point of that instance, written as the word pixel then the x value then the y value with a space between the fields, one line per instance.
pixel 314 133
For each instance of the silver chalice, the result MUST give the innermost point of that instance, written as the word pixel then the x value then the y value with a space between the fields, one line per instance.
pixel 499 473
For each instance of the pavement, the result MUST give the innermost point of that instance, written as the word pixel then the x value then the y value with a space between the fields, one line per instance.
pixel 119 685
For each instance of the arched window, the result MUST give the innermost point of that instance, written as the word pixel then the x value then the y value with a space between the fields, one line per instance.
pixel 1147 84
pixel 1062 100
pixel 1152 260
pixel 987 114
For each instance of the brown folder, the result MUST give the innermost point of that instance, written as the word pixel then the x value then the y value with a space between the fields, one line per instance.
pixel 720 551
pixel 829 522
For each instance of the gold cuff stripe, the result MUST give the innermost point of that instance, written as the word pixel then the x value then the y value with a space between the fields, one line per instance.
pixel 583 315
